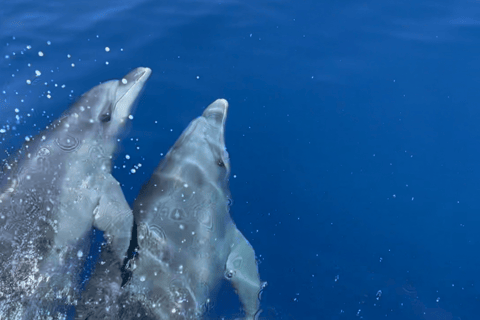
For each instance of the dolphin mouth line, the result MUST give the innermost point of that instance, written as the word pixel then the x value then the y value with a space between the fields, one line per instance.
pixel 137 80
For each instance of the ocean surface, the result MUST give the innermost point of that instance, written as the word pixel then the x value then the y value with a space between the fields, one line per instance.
pixel 353 133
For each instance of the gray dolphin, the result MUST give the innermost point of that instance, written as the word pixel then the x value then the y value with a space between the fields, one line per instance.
pixel 54 190
pixel 187 240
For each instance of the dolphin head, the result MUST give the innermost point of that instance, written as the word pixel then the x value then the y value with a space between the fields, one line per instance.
pixel 107 106
pixel 88 130
pixel 100 114
pixel 203 143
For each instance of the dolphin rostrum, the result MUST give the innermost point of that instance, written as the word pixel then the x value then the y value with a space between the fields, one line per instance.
pixel 53 191
pixel 187 240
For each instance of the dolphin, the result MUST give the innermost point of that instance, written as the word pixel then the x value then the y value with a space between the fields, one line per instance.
pixel 187 241
pixel 53 191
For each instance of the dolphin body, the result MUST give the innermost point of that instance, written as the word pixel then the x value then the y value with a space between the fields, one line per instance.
pixel 187 240
pixel 57 187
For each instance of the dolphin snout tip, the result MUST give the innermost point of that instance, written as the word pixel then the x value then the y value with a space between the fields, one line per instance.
pixel 143 72
pixel 219 106
pixel 223 103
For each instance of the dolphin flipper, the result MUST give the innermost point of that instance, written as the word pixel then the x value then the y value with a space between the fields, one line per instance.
pixel 242 272
pixel 114 216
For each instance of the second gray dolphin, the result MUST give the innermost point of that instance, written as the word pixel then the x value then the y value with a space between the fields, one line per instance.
pixel 57 187
pixel 187 240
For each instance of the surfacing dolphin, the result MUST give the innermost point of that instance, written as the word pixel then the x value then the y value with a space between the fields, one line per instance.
pixel 57 187
pixel 187 240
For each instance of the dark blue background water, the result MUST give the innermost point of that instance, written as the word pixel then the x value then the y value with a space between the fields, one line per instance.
pixel 353 133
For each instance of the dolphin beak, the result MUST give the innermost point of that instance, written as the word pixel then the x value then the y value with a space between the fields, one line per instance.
pixel 216 113
pixel 128 90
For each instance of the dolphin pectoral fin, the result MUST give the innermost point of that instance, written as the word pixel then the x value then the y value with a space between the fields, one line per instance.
pixel 242 272
pixel 114 216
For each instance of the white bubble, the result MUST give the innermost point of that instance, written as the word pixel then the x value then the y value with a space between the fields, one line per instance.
pixel 80 253
pixel 130 117
pixel 69 56
pixel 133 171
pixel 40 53
pixel 16 110
pixel 127 157
pixel 107 49
pixel 48 43
pixel 37 73
pixel 29 47
pixel 29 81
pixel 124 81
pixel 142 278
pixel 73 65
pixel 106 62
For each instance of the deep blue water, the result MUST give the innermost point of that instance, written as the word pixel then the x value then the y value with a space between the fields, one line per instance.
pixel 353 133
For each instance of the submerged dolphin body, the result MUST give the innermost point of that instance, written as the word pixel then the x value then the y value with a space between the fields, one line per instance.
pixel 57 187
pixel 187 240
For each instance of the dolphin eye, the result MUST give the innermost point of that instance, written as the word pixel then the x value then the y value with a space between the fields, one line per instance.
pixel 220 163
pixel 105 117
pixel 229 274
